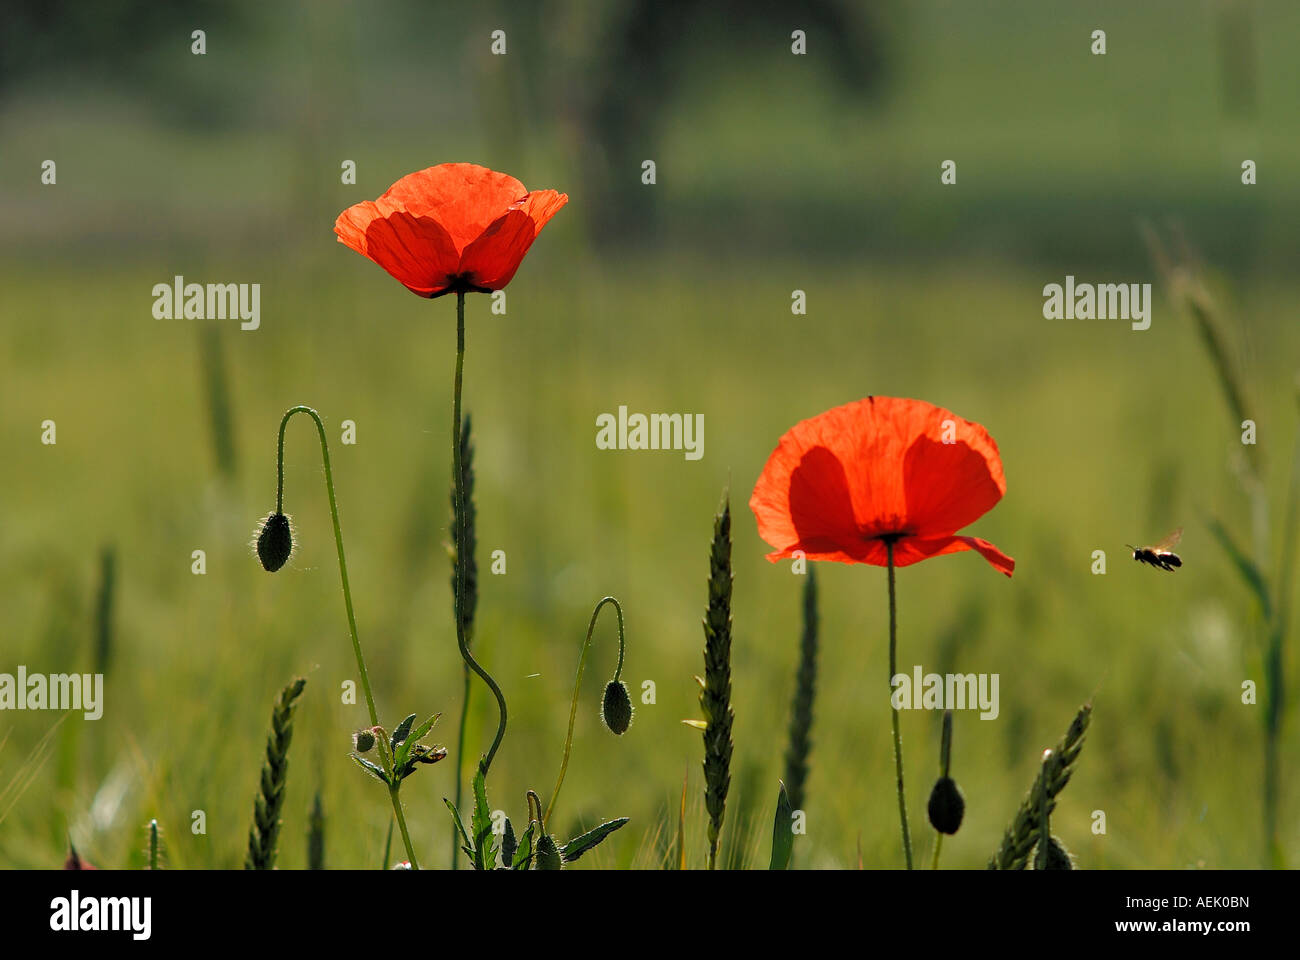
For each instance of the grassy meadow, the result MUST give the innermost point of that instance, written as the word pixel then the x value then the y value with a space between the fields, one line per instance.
pixel 1108 436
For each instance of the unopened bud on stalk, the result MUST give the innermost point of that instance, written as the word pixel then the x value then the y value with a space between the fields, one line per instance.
pixel 947 806
pixel 548 854
pixel 274 542
pixel 616 708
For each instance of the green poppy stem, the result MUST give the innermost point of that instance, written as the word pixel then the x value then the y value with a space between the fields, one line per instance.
pixel 460 759
pixel 459 534
pixel 898 740
pixel 577 686
pixel 347 590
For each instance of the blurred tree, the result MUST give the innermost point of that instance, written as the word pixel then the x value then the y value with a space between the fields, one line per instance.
pixel 131 44
pixel 632 80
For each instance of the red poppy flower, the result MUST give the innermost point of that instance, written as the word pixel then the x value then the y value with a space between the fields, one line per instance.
pixel 452 228
pixel 843 484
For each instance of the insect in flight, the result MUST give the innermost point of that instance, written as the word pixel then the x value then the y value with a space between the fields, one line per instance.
pixel 1160 555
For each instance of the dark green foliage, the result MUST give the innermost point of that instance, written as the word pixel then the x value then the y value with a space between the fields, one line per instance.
pixel 579 845
pixel 782 832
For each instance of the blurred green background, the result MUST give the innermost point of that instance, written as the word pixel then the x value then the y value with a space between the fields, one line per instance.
pixel 775 172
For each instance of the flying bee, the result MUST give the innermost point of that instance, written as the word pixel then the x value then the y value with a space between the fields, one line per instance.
pixel 1160 555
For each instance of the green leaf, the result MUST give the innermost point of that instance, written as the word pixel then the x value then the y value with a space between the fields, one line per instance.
pixel 402 732
pixel 402 754
pixel 1246 568
pixel 782 835
pixel 524 852
pixel 375 771
pixel 481 824
pixel 460 827
pixel 424 728
pixel 579 845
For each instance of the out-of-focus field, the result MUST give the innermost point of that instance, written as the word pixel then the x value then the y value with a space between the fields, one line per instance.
pixel 1108 436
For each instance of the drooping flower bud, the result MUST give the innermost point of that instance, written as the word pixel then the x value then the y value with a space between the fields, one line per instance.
pixel 947 805
pixel 616 708
pixel 548 854
pixel 363 741
pixel 274 542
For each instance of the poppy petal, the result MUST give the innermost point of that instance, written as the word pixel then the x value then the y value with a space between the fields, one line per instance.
pixel 491 260
pixel 911 550
pixel 802 500
pixel 950 485
pixel 416 251
pixel 907 551
pixel 916 468
pixel 464 197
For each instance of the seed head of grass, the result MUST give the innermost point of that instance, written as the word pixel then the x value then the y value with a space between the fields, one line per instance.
pixel 265 831
pixel 1053 775
pixel 715 687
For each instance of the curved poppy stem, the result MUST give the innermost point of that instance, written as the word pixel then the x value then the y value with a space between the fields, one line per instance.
pixel 338 541
pixel 347 594
pixel 460 759
pixel 898 740
pixel 577 685
pixel 459 535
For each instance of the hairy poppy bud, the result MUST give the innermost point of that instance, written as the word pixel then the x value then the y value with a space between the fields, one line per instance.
pixel 616 708
pixel 548 854
pixel 509 844
pixel 363 741
pixel 946 805
pixel 1058 858
pixel 274 542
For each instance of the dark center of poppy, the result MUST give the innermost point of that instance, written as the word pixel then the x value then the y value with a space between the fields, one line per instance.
pixel 462 283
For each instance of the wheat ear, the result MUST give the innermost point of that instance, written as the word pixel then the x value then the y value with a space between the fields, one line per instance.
pixel 265 831
pixel 1055 773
